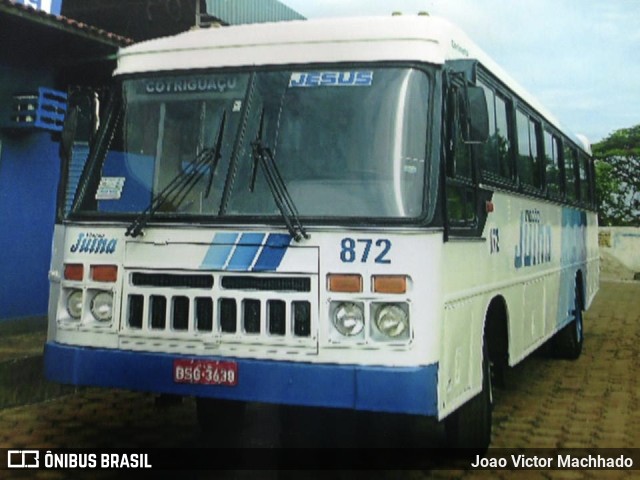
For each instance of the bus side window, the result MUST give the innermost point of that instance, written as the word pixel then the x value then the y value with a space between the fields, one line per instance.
pixel 528 162
pixel 461 160
pixel 502 137
pixel 585 189
pixel 489 162
pixel 494 153
pixel 571 180
pixel 461 204
pixel 552 165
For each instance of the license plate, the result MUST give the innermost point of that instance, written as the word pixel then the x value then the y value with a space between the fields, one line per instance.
pixel 205 372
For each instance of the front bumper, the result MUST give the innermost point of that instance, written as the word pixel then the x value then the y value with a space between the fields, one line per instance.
pixel 411 390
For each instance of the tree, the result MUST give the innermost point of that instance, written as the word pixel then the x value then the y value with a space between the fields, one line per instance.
pixel 618 177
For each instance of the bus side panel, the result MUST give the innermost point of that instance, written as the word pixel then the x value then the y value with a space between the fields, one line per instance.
pixel 579 257
pixel 529 254
pixel 460 375
pixel 592 281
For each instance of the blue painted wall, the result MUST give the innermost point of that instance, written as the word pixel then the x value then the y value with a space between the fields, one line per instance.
pixel 29 169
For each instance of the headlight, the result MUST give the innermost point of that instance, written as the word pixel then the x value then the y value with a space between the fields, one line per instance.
pixel 74 304
pixel 392 321
pixel 348 319
pixel 102 306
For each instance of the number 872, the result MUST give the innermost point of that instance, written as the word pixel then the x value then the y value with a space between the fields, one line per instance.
pixel 363 249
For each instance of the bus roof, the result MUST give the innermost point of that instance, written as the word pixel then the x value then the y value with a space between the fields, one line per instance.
pixel 413 38
pixel 354 39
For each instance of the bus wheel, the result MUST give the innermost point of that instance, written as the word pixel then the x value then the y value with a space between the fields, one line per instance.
pixel 215 415
pixel 470 426
pixel 567 343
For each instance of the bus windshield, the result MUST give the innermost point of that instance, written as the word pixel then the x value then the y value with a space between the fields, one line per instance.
pixel 347 143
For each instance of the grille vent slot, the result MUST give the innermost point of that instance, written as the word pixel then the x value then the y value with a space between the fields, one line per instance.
pixel 166 280
pixel 272 284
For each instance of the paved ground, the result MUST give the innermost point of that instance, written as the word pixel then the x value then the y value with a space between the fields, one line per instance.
pixel 593 402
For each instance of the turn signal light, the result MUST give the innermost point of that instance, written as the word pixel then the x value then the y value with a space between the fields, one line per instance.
pixel 104 273
pixel 73 271
pixel 344 283
pixel 390 283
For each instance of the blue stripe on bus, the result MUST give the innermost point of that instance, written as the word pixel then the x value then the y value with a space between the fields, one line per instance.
pixel 218 253
pixel 273 252
pixel 238 252
pixel 573 256
pixel 386 389
pixel 246 251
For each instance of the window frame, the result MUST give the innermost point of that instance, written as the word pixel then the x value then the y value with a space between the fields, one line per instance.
pixel 564 142
pixel 533 159
pixel 556 141
pixel 485 80
pixel 571 186
pixel 466 186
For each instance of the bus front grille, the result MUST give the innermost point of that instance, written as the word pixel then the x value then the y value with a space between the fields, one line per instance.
pixel 234 309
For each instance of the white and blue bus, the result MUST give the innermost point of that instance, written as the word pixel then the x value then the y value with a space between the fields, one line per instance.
pixel 360 213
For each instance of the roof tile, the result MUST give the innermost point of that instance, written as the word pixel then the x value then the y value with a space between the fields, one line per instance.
pixel 70 23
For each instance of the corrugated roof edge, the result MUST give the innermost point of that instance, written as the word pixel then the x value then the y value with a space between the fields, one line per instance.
pixel 95 32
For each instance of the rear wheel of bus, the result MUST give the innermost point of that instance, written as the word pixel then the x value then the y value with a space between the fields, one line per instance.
pixel 470 426
pixel 567 343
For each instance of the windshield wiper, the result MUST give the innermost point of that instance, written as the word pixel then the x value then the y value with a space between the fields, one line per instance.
pixel 216 154
pixel 181 185
pixel 264 156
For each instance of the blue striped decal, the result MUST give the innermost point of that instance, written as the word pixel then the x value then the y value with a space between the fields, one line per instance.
pixel 272 252
pixel 218 253
pixel 246 250
pixel 238 252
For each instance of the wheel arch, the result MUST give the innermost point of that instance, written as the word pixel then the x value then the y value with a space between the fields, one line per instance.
pixel 580 287
pixel 496 330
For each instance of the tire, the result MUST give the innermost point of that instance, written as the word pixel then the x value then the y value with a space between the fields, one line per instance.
pixel 216 415
pixel 469 427
pixel 567 343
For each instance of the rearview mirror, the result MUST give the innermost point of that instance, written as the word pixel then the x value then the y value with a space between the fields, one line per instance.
pixel 81 120
pixel 69 132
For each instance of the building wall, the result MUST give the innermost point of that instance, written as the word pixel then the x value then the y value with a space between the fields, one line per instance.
pixel 142 20
pixel 251 11
pixel 623 244
pixel 29 164
pixel 29 169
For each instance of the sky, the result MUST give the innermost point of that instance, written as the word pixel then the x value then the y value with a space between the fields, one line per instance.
pixel 579 58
